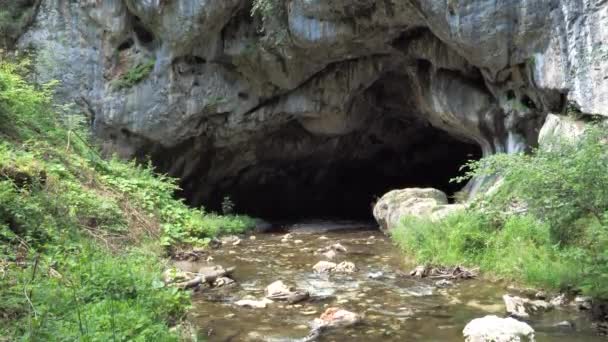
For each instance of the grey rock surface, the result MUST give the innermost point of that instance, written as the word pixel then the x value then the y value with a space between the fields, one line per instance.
pixel 237 101
pixel 396 205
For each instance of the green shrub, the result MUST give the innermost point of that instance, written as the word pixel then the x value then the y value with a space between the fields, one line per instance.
pixel 559 242
pixel 68 221
pixel 84 293
pixel 266 8
pixel 180 223
pixel 460 238
pixel 134 75
pixel 560 185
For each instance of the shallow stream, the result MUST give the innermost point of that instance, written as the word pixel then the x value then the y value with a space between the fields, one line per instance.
pixel 396 307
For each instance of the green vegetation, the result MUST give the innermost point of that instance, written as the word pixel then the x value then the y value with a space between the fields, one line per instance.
pixel 266 9
pixel 573 111
pixel 274 21
pixel 15 15
pixel 518 105
pixel 546 225
pixel 134 75
pixel 80 236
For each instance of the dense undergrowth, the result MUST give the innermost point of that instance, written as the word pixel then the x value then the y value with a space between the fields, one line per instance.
pixel 82 238
pixel 546 225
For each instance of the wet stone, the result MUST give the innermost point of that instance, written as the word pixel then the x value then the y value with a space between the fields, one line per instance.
pixel 395 307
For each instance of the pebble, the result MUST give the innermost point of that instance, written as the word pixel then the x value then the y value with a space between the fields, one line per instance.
pixel 230 315
pixel 231 252
pixel 559 300
pixel 323 237
pixel 444 283
pixel 297 242
pixel 564 325
pixel 375 275
pixel 256 304
pixel 252 237
pixel 330 255
pixel 583 302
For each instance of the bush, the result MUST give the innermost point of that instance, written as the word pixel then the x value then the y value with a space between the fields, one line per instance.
pixel 134 75
pixel 560 185
pixel 560 241
pixel 88 294
pixel 68 223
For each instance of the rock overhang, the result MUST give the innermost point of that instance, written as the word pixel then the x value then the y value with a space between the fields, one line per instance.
pixel 314 81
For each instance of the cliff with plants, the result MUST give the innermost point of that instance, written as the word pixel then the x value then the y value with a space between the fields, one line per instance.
pixel 226 94
pixel 126 124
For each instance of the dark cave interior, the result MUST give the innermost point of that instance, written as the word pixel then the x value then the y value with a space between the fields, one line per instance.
pixel 346 186
pixel 295 169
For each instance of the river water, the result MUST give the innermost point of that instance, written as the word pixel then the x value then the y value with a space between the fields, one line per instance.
pixel 396 307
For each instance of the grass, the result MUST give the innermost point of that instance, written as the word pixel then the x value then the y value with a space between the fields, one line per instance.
pixel 560 240
pixel 83 239
pixel 134 75
pixel 519 250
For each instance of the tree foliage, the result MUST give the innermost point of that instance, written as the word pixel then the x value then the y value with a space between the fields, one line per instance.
pixel 80 235
pixel 547 224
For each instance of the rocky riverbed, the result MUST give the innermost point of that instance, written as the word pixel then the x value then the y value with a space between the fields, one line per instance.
pixel 389 304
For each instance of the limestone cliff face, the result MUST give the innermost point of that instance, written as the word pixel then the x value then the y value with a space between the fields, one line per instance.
pixel 232 99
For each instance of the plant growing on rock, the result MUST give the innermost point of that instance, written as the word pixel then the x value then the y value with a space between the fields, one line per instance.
pixel 274 21
pixel 266 8
pixel 134 75
pixel 560 241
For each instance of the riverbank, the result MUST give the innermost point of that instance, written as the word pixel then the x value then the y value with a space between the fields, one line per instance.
pixel 394 306
pixel 544 226
pixel 84 239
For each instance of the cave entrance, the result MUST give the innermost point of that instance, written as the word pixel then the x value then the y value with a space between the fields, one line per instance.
pixel 341 178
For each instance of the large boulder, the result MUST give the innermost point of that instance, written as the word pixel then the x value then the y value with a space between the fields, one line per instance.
pixel 496 329
pixel 560 128
pixel 418 202
pixel 336 318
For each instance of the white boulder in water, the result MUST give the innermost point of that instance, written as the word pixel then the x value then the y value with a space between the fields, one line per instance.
pixel 252 303
pixel 496 329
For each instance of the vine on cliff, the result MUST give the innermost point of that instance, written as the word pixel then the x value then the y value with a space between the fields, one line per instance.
pixel 274 20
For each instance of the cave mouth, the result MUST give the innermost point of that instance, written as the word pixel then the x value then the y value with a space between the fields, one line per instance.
pixel 345 183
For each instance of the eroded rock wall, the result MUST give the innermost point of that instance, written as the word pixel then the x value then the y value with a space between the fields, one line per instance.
pixel 232 97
